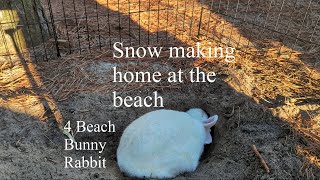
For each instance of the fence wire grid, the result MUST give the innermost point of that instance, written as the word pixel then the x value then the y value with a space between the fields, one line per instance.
pixel 69 26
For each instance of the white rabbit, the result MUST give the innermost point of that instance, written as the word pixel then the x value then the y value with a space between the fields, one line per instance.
pixel 164 143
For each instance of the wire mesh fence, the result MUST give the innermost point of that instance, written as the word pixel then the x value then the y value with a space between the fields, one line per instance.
pixel 56 28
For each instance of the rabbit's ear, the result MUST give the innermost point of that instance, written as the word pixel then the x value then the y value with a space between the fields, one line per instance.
pixel 208 139
pixel 211 121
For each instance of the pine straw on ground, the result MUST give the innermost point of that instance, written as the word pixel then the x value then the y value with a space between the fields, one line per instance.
pixel 278 72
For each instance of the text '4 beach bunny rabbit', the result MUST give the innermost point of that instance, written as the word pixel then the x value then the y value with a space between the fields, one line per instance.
pixel 164 143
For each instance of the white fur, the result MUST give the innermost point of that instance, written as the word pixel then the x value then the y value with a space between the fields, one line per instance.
pixel 197 113
pixel 162 144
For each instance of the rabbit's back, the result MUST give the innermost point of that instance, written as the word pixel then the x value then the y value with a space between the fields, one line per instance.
pixel 161 144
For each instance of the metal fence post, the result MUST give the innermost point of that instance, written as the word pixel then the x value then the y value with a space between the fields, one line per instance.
pixel 200 21
pixel 54 29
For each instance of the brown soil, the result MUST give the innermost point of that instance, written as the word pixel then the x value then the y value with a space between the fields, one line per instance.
pixel 264 99
pixel 34 149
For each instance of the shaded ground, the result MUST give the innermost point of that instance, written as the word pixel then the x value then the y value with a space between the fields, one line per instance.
pixel 33 149
pixel 265 99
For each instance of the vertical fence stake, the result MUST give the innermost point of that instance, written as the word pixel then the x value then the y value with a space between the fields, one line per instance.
pixel 191 23
pixel 200 21
pixel 129 14
pixel 87 26
pixel 65 21
pixel 119 21
pixel 54 29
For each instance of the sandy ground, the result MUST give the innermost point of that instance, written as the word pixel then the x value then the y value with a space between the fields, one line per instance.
pixel 35 150
pixel 262 100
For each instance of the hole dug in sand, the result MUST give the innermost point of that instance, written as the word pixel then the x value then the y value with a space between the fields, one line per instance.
pixel 215 133
pixel 229 156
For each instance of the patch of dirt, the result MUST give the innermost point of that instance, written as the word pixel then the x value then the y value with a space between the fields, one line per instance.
pixel 266 98
pixel 35 150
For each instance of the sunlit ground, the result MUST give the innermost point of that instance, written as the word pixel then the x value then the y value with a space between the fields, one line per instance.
pixel 264 78
pixel 284 75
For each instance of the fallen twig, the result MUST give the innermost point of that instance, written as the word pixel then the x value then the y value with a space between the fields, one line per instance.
pixel 262 161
